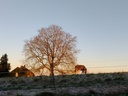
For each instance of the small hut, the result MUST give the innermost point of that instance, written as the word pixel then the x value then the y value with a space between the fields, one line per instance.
pixel 22 72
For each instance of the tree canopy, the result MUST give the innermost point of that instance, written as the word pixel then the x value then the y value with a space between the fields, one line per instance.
pixel 52 50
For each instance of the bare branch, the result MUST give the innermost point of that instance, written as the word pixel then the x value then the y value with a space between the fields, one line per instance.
pixel 52 46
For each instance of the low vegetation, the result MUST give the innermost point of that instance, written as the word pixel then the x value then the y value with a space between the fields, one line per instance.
pixel 109 84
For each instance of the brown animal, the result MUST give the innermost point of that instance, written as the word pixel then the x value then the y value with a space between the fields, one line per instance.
pixel 80 68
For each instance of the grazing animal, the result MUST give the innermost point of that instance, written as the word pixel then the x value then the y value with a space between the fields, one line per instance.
pixel 80 68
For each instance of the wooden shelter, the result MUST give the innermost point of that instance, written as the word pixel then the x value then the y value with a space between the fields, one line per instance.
pixel 22 71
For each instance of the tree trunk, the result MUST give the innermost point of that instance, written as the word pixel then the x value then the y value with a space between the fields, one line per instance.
pixel 52 74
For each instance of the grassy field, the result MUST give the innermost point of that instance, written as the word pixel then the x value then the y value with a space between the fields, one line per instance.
pixel 109 84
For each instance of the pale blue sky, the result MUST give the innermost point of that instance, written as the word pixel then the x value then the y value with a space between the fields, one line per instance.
pixel 101 27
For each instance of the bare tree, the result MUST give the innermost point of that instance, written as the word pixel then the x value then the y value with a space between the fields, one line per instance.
pixel 52 49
